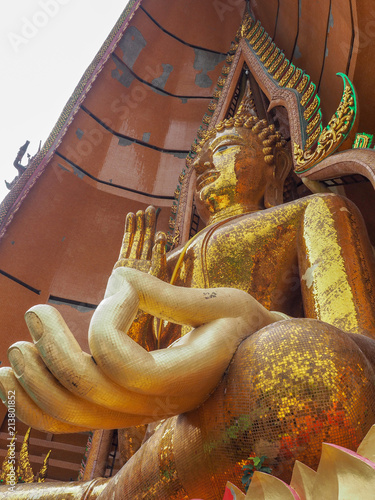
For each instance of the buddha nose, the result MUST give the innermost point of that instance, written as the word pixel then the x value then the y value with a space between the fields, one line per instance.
pixel 203 162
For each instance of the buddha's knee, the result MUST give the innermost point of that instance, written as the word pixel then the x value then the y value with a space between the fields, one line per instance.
pixel 290 387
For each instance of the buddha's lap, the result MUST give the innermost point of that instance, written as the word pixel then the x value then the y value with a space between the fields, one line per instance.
pixel 290 387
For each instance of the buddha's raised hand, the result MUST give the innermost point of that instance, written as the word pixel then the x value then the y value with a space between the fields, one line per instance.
pixel 141 249
pixel 145 251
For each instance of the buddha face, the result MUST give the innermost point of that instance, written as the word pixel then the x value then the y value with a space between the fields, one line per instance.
pixel 231 174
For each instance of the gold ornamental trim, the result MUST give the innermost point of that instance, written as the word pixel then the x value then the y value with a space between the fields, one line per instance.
pixel 334 134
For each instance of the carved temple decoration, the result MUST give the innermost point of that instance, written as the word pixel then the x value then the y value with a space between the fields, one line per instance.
pixel 17 164
pixel 20 471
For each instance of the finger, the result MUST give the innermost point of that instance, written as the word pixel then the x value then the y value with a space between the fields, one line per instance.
pixel 128 236
pixel 75 369
pixel 150 222
pixel 159 256
pixel 136 248
pixel 27 410
pixel 54 399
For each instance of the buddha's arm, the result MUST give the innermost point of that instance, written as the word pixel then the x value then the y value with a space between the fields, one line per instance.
pixel 337 265
pixel 126 385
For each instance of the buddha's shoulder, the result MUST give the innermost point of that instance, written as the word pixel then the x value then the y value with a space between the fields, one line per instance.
pixel 298 206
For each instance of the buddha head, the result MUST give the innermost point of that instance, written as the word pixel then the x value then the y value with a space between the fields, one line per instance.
pixel 241 167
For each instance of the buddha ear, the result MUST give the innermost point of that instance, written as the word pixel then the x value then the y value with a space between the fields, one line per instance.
pixel 281 167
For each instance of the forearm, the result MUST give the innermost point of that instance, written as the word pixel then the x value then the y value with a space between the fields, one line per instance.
pixel 191 306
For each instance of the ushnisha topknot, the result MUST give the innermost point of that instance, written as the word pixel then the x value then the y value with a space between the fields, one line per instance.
pixel 246 117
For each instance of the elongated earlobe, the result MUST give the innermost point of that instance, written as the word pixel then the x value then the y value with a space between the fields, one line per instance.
pixel 274 191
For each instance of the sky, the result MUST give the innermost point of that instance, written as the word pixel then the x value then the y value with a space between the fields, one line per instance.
pixel 46 45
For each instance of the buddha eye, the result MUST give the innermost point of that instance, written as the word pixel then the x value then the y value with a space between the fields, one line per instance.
pixel 224 147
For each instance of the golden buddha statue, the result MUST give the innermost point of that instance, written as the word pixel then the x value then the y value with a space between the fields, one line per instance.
pixel 277 355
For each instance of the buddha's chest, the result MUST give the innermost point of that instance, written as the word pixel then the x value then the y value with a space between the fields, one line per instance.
pixel 253 254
